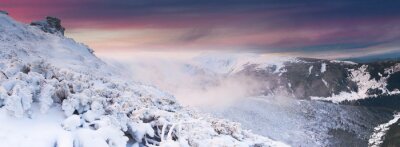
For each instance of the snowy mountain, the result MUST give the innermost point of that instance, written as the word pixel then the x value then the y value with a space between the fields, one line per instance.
pixel 56 92
pixel 53 85
pixel 307 78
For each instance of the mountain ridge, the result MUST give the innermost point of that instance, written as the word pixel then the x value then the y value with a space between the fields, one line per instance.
pixel 320 79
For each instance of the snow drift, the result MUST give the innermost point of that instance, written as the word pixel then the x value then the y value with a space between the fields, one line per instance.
pixel 49 79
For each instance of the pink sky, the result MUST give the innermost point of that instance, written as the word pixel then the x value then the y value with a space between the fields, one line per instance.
pixel 303 29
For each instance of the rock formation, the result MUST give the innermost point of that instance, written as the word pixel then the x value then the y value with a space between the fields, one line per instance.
pixel 3 12
pixel 50 25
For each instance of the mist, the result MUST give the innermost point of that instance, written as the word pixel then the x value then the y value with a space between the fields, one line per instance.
pixel 193 81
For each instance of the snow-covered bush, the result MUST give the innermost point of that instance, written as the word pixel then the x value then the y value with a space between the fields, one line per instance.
pixel 72 122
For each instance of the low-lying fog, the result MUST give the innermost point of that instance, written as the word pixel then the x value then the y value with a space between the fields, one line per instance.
pixel 198 81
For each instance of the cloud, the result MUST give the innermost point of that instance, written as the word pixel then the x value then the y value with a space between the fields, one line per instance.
pixel 285 26
pixel 195 34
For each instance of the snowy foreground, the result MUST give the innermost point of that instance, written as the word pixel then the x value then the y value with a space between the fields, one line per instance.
pixel 55 92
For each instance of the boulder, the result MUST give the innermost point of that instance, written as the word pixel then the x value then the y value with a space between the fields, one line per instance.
pixel 3 12
pixel 50 25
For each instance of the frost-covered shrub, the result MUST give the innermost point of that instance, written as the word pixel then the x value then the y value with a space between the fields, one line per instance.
pixel 138 131
pixel 72 122
pixel 227 128
pixel 20 99
pixel 3 96
pixel 45 97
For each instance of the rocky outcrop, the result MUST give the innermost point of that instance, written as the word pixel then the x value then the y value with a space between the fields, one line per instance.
pixel 3 12
pixel 50 25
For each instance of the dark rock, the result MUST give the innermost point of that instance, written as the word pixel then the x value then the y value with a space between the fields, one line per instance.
pixel 3 12
pixel 384 101
pixel 341 137
pixel 50 25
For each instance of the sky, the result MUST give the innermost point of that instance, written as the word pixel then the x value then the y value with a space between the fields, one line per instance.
pixel 320 28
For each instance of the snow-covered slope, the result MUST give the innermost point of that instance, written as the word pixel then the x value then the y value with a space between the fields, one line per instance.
pixel 55 92
pixel 306 122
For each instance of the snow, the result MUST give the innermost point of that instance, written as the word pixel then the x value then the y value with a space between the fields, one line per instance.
pixel 38 131
pixel 310 70
pixel 57 50
pixel 325 83
pixel 343 62
pixel 364 82
pixel 139 130
pixel 45 98
pixel 323 67
pixel 57 87
pixel 379 132
pixel 71 123
pixel 231 63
